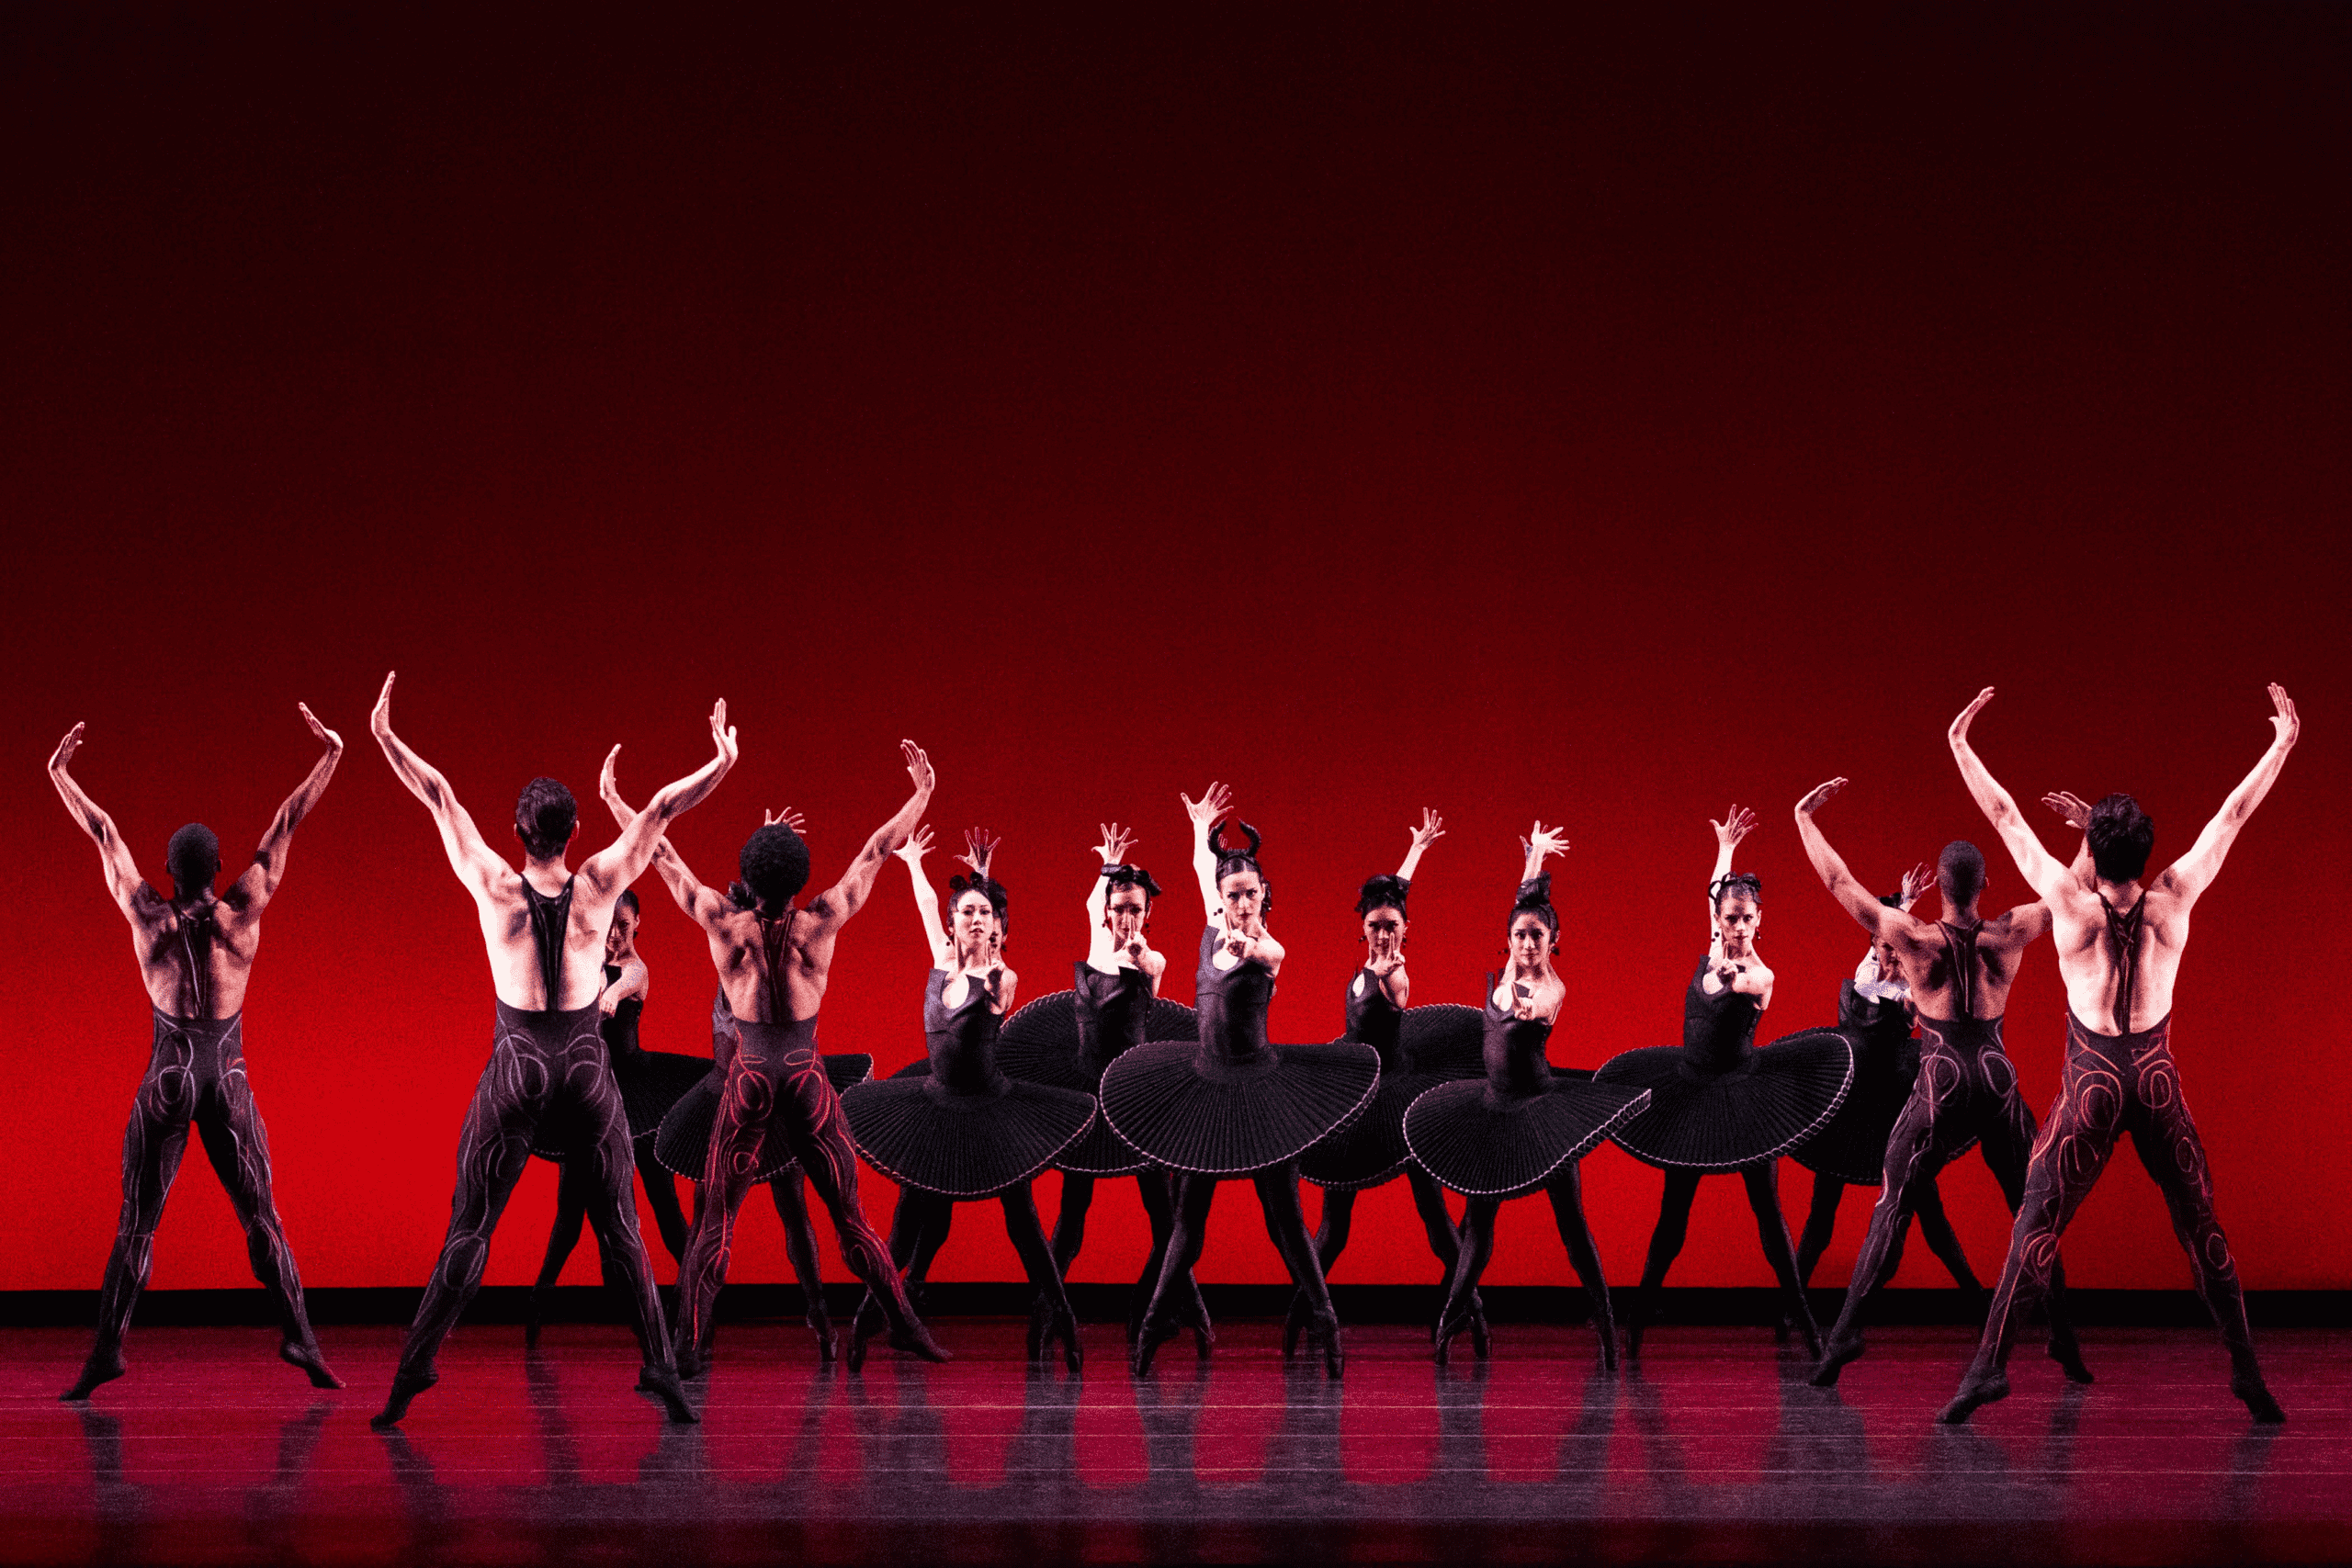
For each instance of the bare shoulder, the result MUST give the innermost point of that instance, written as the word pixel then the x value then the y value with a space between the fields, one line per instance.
pixel 2017 927
pixel 147 906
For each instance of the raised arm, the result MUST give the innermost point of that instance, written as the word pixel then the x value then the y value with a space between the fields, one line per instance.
pixel 845 896
pixel 1432 830
pixel 1538 846
pixel 943 952
pixel 624 860
pixel 470 857
pixel 260 880
pixel 1114 850
pixel 2192 873
pixel 1205 813
pixel 1738 823
pixel 702 906
pixel 122 875
pixel 1859 900
pixel 2038 865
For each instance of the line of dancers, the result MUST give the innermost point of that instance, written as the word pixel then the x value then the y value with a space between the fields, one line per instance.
pixel 1107 1080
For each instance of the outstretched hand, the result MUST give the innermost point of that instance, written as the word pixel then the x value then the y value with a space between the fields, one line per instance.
pixel 786 817
pixel 1213 803
pixel 978 850
pixel 1959 734
pixel 608 784
pixel 1738 823
pixel 1116 842
pixel 915 847
pixel 1432 830
pixel 2072 808
pixel 379 718
pixel 2286 727
pixel 1818 798
pixel 722 734
pixel 333 741
pixel 1915 880
pixel 1542 843
pixel 63 757
pixel 918 767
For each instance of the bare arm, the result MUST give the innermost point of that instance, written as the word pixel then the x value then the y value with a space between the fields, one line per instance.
pixel 1538 846
pixel 122 875
pixel 2038 865
pixel 926 899
pixel 631 983
pixel 1432 830
pixel 1204 812
pixel 260 879
pixel 848 894
pixel 1738 823
pixel 1859 901
pixel 470 857
pixel 624 860
pixel 2194 871
pixel 702 906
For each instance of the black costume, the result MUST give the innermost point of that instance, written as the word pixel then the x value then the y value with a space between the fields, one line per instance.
pixel 956 1126
pixel 1232 1104
pixel 547 1086
pixel 1851 1148
pixel 195 1076
pixel 1067 1039
pixel 1525 1127
pixel 1966 1094
pixel 1717 1103
pixel 776 1104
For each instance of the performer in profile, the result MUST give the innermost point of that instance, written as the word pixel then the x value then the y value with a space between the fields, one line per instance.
pixel 1525 1127
pixel 1419 1048
pixel 1957 972
pixel 1068 1038
pixel 195 954
pixel 1232 1104
pixel 548 1083
pixel 1874 1015
pixel 774 961
pixel 2119 943
pixel 953 1127
pixel 1720 1103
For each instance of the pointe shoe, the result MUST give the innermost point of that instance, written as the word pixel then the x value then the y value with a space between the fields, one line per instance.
pixel 1052 1325
pixel 914 1339
pixel 95 1371
pixel 1326 1334
pixel 1154 1333
pixel 310 1359
pixel 1835 1356
pixel 2247 1385
pixel 1196 1316
pixel 663 1384
pixel 1975 1391
pixel 406 1386
pixel 1803 1320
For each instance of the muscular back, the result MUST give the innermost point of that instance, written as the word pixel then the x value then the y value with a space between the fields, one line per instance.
pixel 196 957
pixel 513 954
pixel 2088 963
pixel 804 947
pixel 1929 960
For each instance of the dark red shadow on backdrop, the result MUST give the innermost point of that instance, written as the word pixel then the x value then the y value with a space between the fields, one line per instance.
pixel 1604 419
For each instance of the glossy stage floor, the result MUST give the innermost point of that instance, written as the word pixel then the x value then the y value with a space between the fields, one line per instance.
pixel 1715 1449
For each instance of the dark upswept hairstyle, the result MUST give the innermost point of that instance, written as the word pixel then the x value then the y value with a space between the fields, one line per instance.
pixel 1385 891
pixel 1123 875
pixel 1535 897
pixel 988 888
pixel 193 859
pixel 775 866
pixel 2121 835
pixel 628 900
pixel 544 815
pixel 1746 882
pixel 1960 872
pixel 1230 860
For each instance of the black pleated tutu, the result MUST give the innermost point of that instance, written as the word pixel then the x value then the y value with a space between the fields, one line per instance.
pixel 1483 1145
pixel 684 1142
pixel 1259 1114
pixel 652 1083
pixel 1852 1145
pixel 1771 1100
pixel 1039 1045
pixel 962 1145
pixel 1443 1044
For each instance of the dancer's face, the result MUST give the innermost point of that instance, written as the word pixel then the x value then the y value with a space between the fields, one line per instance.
pixel 621 937
pixel 1738 916
pixel 1530 939
pixel 1384 932
pixel 1127 912
pixel 1886 966
pixel 974 922
pixel 1245 898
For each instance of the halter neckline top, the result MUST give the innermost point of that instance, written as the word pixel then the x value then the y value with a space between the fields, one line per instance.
pixel 961 1040
pixel 1231 1003
pixel 1375 1018
pixel 551 922
pixel 1513 1048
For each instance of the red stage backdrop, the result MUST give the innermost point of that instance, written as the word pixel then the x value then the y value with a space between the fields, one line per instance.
pixel 1604 420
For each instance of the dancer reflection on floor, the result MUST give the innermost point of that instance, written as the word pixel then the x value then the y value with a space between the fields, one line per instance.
pixel 195 956
pixel 954 1128
pixel 2119 943
pixel 1720 1104
pixel 1523 1129
pixel 1957 974
pixel 548 1084
pixel 774 960
pixel 1232 1104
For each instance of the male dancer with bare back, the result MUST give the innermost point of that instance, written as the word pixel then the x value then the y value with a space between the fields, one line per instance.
pixel 2119 951
pixel 1958 970
pixel 195 955
pixel 548 1084
pixel 774 961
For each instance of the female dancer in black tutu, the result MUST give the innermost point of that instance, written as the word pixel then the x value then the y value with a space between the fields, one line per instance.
pixel 1418 1050
pixel 1529 1123
pixel 1719 1103
pixel 1874 1015
pixel 958 1128
pixel 1067 1038
pixel 1232 1104
pixel 650 1082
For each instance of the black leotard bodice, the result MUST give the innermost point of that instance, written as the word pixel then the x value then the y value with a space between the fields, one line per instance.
pixel 1113 1012
pixel 1718 1030
pixel 1514 1050
pixel 1879 1026
pixel 1232 1005
pixel 1375 1018
pixel 961 1042
pixel 620 1029
pixel 551 922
